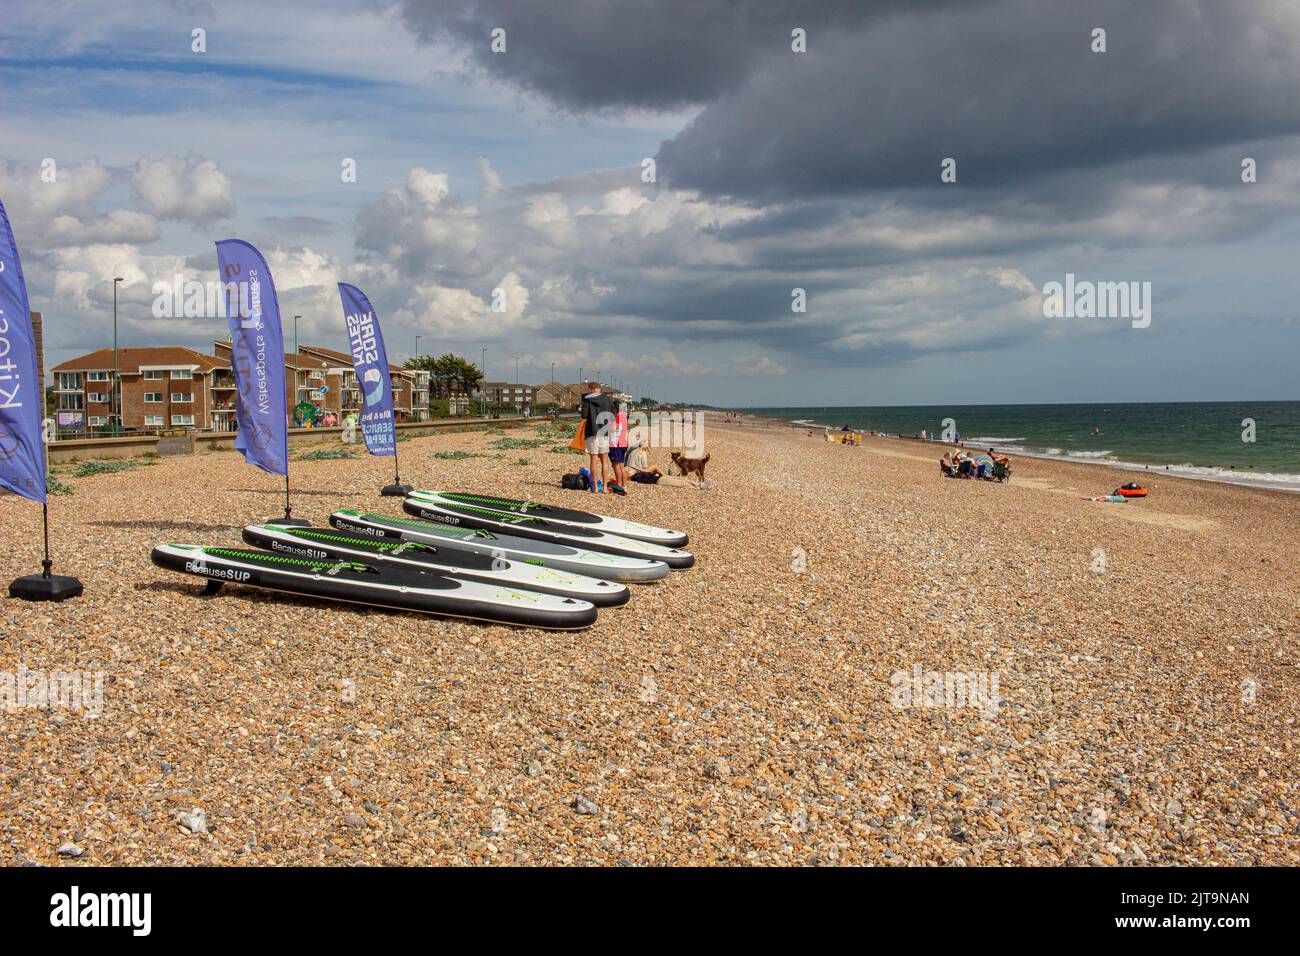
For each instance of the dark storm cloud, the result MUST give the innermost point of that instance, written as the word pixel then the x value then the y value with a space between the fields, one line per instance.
pixel 1010 89
pixel 1011 93
pixel 652 54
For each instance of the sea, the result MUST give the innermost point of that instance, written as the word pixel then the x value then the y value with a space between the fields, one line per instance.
pixel 1249 443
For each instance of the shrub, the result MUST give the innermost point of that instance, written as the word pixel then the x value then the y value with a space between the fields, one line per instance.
pixel 327 454
pixel 456 455
pixel 55 487
pixel 519 443
pixel 89 468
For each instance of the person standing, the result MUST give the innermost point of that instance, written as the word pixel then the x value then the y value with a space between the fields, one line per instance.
pixel 618 449
pixel 598 412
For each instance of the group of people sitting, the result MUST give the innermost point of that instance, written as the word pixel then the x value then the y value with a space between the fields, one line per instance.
pixel 989 467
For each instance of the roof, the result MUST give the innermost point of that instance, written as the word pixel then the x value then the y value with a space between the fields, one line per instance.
pixel 301 361
pixel 343 359
pixel 130 360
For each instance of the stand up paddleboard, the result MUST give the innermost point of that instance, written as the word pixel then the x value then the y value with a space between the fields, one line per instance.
pixel 582 519
pixel 396 588
pixel 559 557
pixel 540 529
pixel 320 544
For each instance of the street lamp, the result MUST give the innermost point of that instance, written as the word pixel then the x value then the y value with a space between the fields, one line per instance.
pixel 428 396
pixel 295 333
pixel 482 402
pixel 116 405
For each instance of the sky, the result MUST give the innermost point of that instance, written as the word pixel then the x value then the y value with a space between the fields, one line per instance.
pixel 638 189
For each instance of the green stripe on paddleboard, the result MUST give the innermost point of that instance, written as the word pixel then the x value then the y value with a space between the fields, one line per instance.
pixel 502 516
pixel 487 499
pixel 449 531
pixel 313 534
pixel 259 557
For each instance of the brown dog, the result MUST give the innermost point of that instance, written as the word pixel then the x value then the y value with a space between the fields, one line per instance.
pixel 688 465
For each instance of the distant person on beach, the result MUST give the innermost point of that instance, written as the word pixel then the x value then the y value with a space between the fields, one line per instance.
pixel 598 412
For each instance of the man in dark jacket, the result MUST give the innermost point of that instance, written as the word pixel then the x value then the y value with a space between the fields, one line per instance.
pixel 598 412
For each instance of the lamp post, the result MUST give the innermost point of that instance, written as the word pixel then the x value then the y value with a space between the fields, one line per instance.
pixel 295 333
pixel 428 396
pixel 482 402
pixel 116 405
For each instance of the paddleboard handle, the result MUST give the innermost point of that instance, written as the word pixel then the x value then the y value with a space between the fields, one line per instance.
pixel 211 588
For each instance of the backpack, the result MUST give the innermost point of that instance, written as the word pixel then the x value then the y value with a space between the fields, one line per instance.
pixel 573 482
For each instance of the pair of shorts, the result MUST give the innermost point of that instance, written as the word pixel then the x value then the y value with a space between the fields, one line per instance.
pixel 618 454
pixel 598 445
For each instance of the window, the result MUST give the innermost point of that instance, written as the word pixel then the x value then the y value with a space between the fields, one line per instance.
pixel 153 397
pixel 70 403
pixel 96 376
pixel 182 373
pixel 95 420
pixel 182 419
pixel 70 380
pixel 153 421
pixel 97 397
pixel 153 374
pixel 182 398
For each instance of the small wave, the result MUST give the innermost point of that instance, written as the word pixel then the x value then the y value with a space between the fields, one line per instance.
pixel 992 440
pixel 1089 454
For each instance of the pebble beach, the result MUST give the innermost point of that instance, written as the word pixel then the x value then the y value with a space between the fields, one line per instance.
pixel 1142 658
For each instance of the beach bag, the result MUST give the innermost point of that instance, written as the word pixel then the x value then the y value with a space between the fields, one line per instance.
pixel 573 482
pixel 579 442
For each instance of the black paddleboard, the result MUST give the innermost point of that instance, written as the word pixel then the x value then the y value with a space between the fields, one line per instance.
pixel 541 529
pixel 394 588
pixel 321 544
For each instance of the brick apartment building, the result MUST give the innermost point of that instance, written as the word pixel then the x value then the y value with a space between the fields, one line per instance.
pixel 403 382
pixel 176 387
pixel 162 388
pixel 557 393
pixel 505 393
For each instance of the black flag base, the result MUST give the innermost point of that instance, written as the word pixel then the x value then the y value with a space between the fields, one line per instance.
pixel 45 586
pixel 286 520
pixel 395 491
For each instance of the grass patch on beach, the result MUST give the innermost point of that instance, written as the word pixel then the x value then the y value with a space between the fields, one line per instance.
pixel 523 461
pixel 55 487
pixel 565 450
pixel 520 442
pixel 88 469
pixel 556 431
pixel 327 454
pixel 457 455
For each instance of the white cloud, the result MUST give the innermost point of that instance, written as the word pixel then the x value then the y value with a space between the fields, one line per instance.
pixel 427 187
pixel 190 189
pixel 491 186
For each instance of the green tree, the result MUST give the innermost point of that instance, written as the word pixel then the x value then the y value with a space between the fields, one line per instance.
pixel 447 373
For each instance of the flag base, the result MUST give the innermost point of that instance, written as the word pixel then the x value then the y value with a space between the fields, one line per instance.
pixel 45 587
pixel 395 491
pixel 294 522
